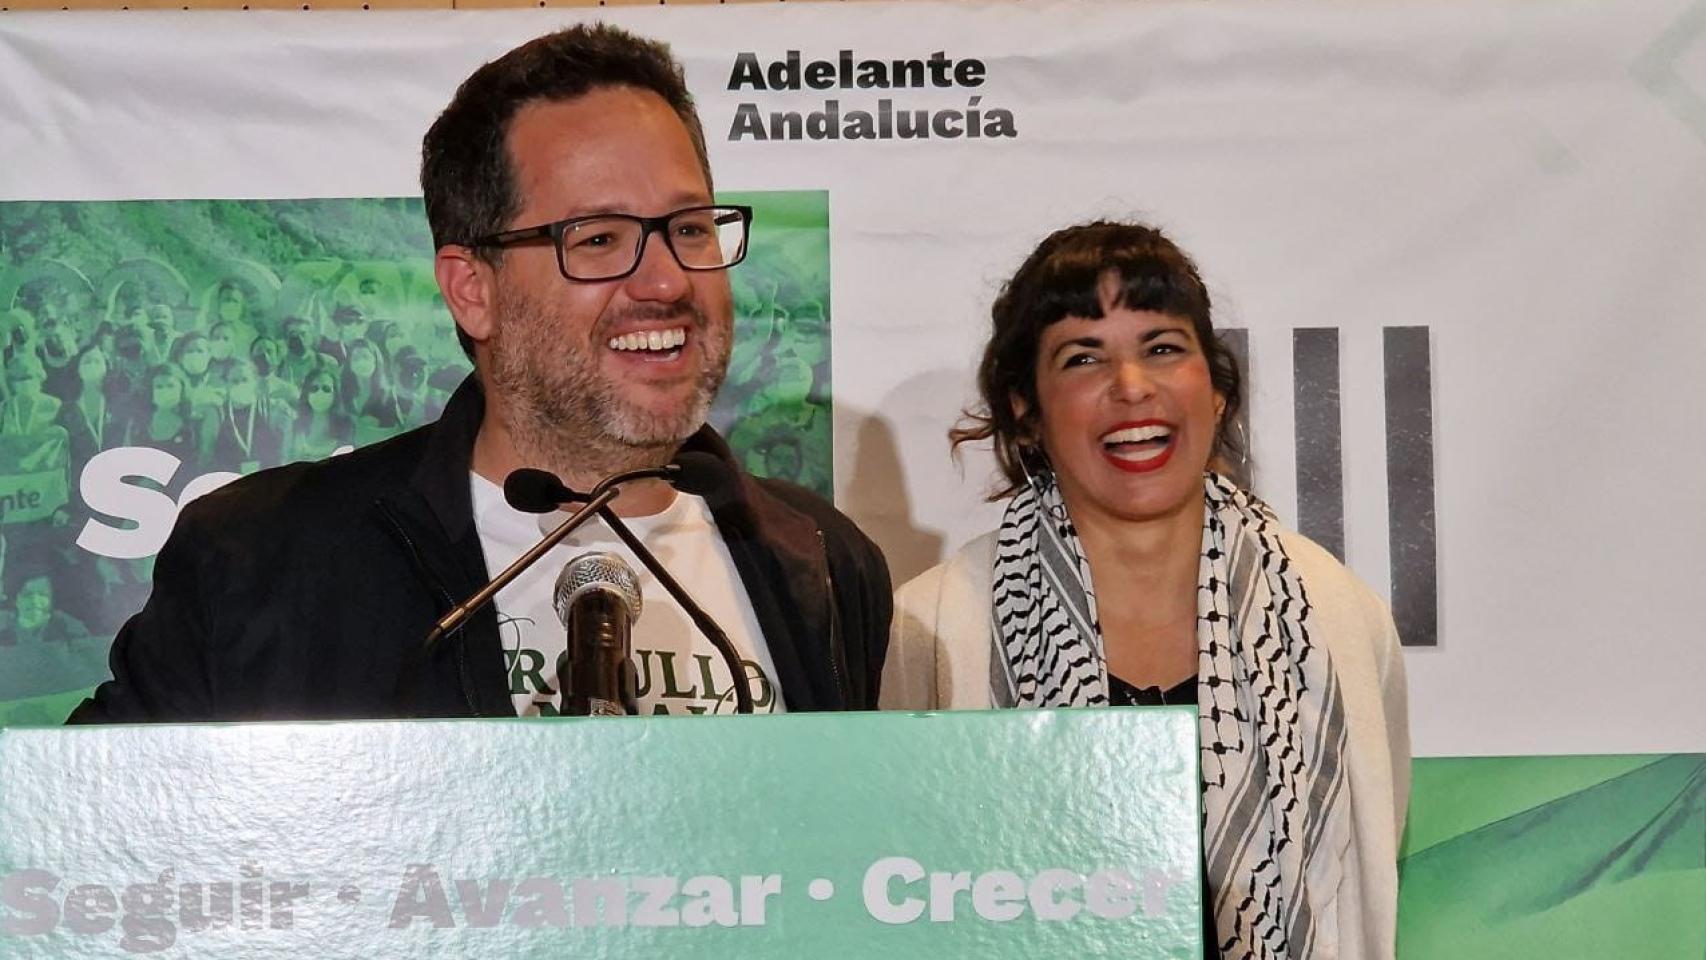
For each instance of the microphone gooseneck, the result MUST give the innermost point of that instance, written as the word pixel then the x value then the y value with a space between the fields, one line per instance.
pixel 462 611
pixel 696 613
pixel 700 474
pixel 531 490
pixel 644 473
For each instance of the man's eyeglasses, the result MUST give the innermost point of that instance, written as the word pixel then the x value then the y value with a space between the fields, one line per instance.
pixel 608 246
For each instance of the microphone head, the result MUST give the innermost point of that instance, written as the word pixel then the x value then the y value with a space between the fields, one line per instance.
pixel 702 475
pixel 597 571
pixel 535 491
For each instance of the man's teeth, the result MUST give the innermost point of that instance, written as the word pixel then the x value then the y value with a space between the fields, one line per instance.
pixel 1137 434
pixel 650 339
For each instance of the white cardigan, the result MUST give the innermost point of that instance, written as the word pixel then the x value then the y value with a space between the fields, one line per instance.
pixel 939 659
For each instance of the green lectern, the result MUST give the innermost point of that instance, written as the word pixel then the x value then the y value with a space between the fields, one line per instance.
pixel 1018 834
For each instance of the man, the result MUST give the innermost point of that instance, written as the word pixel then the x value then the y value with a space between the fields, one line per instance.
pixel 567 186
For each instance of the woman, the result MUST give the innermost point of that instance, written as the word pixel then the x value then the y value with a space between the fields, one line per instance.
pixel 246 435
pixel 226 304
pixel 389 337
pixel 87 412
pixel 222 346
pixel 319 429
pixel 1126 571
pixel 365 393
pixel 168 423
pixel 27 410
pixel 194 358
pixel 265 354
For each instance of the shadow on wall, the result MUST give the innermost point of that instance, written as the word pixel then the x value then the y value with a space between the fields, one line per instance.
pixel 876 498
pixel 875 492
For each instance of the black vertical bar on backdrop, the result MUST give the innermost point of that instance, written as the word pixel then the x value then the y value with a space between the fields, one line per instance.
pixel 1320 461
pixel 1410 485
pixel 1241 465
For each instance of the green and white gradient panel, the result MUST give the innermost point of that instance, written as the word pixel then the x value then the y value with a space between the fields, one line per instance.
pixel 1016 834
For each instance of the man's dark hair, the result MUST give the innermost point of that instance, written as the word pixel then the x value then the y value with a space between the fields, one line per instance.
pixel 467 174
pixel 1063 277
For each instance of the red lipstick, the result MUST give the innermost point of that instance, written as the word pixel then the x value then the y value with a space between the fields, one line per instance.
pixel 1156 462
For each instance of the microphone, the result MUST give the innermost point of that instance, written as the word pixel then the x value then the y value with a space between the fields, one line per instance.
pixel 598 599
pixel 536 491
pixel 702 475
pixel 692 472
pixel 539 491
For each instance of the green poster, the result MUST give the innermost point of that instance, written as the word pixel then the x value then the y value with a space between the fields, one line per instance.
pixel 1536 858
pixel 33 485
pixel 153 350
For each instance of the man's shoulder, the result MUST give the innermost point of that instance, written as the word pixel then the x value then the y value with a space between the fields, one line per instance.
pixel 308 492
pixel 849 549
pixel 825 514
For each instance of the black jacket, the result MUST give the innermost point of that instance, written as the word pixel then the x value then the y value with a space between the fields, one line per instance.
pixel 305 592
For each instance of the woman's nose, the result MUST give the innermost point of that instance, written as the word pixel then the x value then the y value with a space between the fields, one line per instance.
pixel 1132 382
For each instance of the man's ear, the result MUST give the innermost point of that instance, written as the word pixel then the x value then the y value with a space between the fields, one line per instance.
pixel 469 288
pixel 1219 408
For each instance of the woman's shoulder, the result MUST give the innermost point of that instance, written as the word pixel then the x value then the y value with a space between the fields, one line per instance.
pixel 1324 574
pixel 938 655
pixel 1351 614
pixel 967 571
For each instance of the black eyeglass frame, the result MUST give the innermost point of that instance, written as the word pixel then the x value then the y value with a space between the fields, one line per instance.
pixel 648 225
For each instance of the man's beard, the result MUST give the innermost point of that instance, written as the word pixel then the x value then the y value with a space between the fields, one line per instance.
pixel 566 411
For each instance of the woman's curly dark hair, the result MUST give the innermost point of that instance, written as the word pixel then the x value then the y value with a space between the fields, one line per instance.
pixel 1064 277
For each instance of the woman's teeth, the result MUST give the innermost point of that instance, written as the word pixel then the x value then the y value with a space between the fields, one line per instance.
pixel 650 339
pixel 1138 443
pixel 1153 431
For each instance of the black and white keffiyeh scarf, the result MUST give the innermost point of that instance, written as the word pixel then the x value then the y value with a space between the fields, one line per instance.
pixel 1275 807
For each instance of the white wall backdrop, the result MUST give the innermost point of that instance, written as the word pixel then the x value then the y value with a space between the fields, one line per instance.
pixel 1526 181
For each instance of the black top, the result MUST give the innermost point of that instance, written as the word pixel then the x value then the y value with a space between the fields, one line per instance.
pixel 1123 694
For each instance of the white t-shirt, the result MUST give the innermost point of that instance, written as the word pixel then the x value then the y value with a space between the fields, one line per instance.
pixel 677 669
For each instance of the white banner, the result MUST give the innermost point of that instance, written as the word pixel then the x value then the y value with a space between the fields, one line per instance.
pixel 1465 244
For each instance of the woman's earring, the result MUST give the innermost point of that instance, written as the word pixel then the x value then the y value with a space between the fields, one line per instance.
pixel 1243 479
pixel 1031 481
pixel 1042 482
